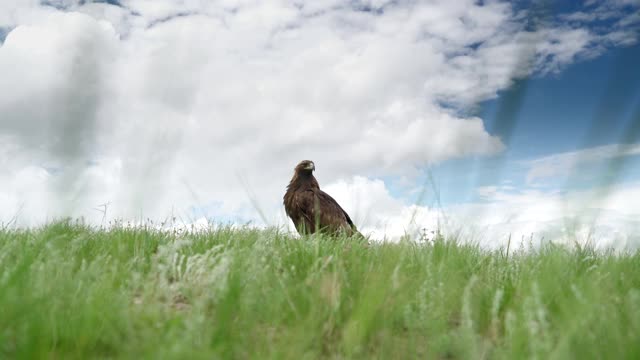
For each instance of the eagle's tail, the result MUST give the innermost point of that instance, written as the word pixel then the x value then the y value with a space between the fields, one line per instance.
pixel 357 235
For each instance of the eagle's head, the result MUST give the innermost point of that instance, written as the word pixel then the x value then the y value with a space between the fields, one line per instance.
pixel 303 177
pixel 305 167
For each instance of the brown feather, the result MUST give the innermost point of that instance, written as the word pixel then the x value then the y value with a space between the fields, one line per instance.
pixel 310 208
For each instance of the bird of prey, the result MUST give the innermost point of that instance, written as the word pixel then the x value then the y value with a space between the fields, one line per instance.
pixel 311 209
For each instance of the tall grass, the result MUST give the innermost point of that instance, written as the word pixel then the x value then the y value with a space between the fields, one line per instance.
pixel 69 291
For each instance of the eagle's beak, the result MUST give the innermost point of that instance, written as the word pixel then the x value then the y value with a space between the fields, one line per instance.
pixel 311 167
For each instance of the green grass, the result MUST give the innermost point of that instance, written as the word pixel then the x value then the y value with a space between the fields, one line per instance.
pixel 69 291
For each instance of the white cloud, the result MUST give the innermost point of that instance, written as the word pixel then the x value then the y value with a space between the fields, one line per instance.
pixel 605 218
pixel 564 164
pixel 161 105
pixel 377 213
pixel 622 21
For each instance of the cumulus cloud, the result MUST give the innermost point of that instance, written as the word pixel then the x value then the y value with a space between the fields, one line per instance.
pixel 161 105
pixel 564 164
pixel 528 217
pixel 380 215
pixel 603 217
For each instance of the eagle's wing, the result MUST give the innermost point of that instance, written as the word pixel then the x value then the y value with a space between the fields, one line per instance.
pixel 331 215
pixel 303 210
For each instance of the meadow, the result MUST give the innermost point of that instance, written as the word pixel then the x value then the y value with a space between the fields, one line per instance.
pixel 71 291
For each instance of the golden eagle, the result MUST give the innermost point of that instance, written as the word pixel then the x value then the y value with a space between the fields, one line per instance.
pixel 311 209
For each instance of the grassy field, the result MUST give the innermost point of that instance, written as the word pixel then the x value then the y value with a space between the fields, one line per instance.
pixel 69 291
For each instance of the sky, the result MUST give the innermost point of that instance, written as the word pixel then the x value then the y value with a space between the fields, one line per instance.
pixel 484 119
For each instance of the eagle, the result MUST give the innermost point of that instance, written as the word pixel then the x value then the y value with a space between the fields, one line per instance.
pixel 313 210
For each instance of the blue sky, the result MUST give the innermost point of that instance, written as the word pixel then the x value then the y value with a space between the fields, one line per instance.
pixel 204 108
pixel 590 103
pixel 559 110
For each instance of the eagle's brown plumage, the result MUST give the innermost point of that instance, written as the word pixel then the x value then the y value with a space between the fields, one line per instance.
pixel 310 208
